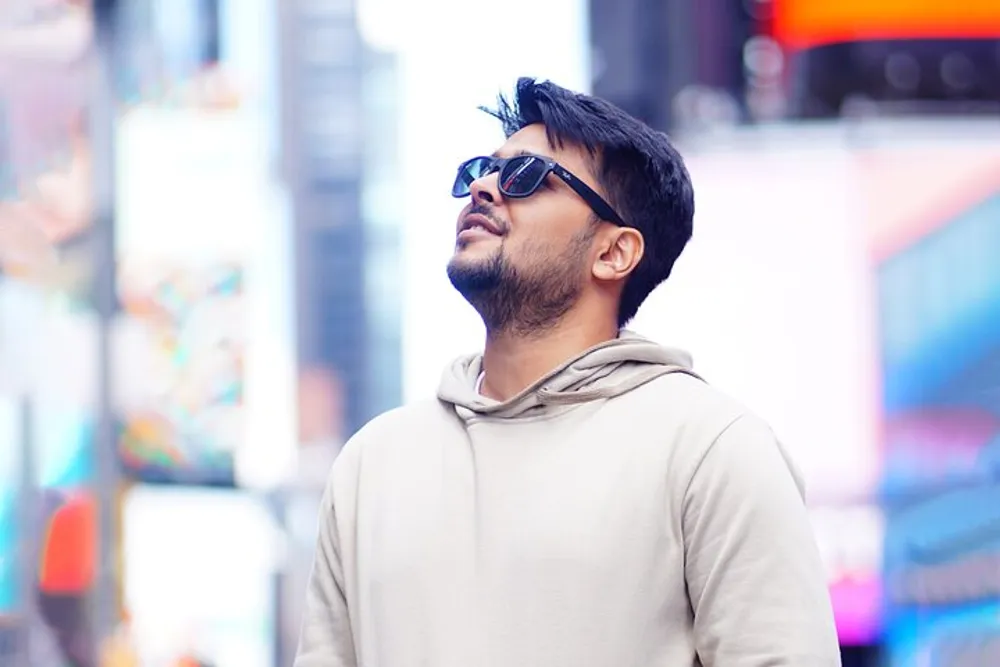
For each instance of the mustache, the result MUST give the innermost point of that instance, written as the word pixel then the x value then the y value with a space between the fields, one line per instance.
pixel 487 212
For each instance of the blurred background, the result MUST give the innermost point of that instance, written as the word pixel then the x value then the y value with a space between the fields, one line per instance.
pixel 223 232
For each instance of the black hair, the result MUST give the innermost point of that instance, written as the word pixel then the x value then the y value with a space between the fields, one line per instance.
pixel 640 171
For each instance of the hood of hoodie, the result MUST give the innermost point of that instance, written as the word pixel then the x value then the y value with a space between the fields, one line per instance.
pixel 604 371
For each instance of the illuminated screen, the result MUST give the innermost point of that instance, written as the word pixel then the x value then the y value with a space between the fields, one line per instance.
pixel 808 23
pixel 193 588
pixel 205 383
pixel 47 453
pixel 10 481
pixel 961 636
pixel 193 320
pixel 205 379
pixel 938 284
pixel 46 434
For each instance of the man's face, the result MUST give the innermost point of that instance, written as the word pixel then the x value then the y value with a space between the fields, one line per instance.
pixel 524 278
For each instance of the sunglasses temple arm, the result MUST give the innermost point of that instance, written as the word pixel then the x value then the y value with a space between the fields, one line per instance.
pixel 596 201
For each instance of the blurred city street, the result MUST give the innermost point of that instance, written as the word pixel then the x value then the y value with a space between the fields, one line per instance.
pixel 224 227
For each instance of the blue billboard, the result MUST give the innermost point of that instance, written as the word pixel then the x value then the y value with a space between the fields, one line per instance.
pixel 939 317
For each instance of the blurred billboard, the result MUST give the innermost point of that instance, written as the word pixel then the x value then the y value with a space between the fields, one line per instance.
pixel 48 333
pixel 204 373
pixel 936 209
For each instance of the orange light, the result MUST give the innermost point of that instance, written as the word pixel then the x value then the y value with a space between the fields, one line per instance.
pixel 808 23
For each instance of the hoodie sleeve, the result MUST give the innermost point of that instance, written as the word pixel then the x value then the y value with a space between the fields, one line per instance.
pixel 326 639
pixel 756 583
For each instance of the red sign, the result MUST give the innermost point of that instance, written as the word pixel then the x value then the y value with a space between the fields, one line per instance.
pixel 802 24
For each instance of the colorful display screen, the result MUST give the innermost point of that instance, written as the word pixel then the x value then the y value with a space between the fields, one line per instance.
pixel 938 286
pixel 194 329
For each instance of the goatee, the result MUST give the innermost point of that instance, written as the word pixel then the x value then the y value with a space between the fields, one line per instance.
pixel 521 303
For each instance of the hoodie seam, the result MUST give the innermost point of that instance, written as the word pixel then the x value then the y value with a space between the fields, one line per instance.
pixel 708 450
pixel 694 474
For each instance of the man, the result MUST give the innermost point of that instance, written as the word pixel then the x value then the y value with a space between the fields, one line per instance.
pixel 576 496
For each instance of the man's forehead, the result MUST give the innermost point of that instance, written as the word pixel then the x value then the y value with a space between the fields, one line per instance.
pixel 528 140
pixel 533 140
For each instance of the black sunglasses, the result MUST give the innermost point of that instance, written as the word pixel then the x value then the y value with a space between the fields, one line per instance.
pixel 521 175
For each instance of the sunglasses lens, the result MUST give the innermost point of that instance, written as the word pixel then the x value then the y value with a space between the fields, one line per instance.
pixel 522 176
pixel 469 171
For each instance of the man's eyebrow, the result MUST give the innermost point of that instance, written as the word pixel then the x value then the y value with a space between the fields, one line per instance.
pixel 519 153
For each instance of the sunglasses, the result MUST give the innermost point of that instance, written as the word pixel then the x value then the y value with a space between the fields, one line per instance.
pixel 520 176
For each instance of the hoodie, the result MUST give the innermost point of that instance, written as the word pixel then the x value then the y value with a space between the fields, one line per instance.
pixel 617 512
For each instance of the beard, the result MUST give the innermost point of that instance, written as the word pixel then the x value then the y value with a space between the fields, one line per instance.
pixel 523 302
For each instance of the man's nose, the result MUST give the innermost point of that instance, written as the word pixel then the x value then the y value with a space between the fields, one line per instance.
pixel 486 189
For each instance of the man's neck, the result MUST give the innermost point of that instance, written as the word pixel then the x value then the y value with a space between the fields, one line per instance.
pixel 512 363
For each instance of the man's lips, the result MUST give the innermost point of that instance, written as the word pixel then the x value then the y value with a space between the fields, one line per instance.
pixel 478 222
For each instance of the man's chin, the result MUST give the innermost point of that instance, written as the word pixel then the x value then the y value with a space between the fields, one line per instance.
pixel 472 274
pixel 463 268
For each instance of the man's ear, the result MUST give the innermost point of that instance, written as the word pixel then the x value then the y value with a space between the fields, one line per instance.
pixel 619 252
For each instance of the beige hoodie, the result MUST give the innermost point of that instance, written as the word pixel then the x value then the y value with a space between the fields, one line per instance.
pixel 619 512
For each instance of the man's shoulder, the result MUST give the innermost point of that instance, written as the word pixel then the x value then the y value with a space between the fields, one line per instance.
pixel 420 413
pixel 710 415
pixel 696 400
pixel 692 414
pixel 404 425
